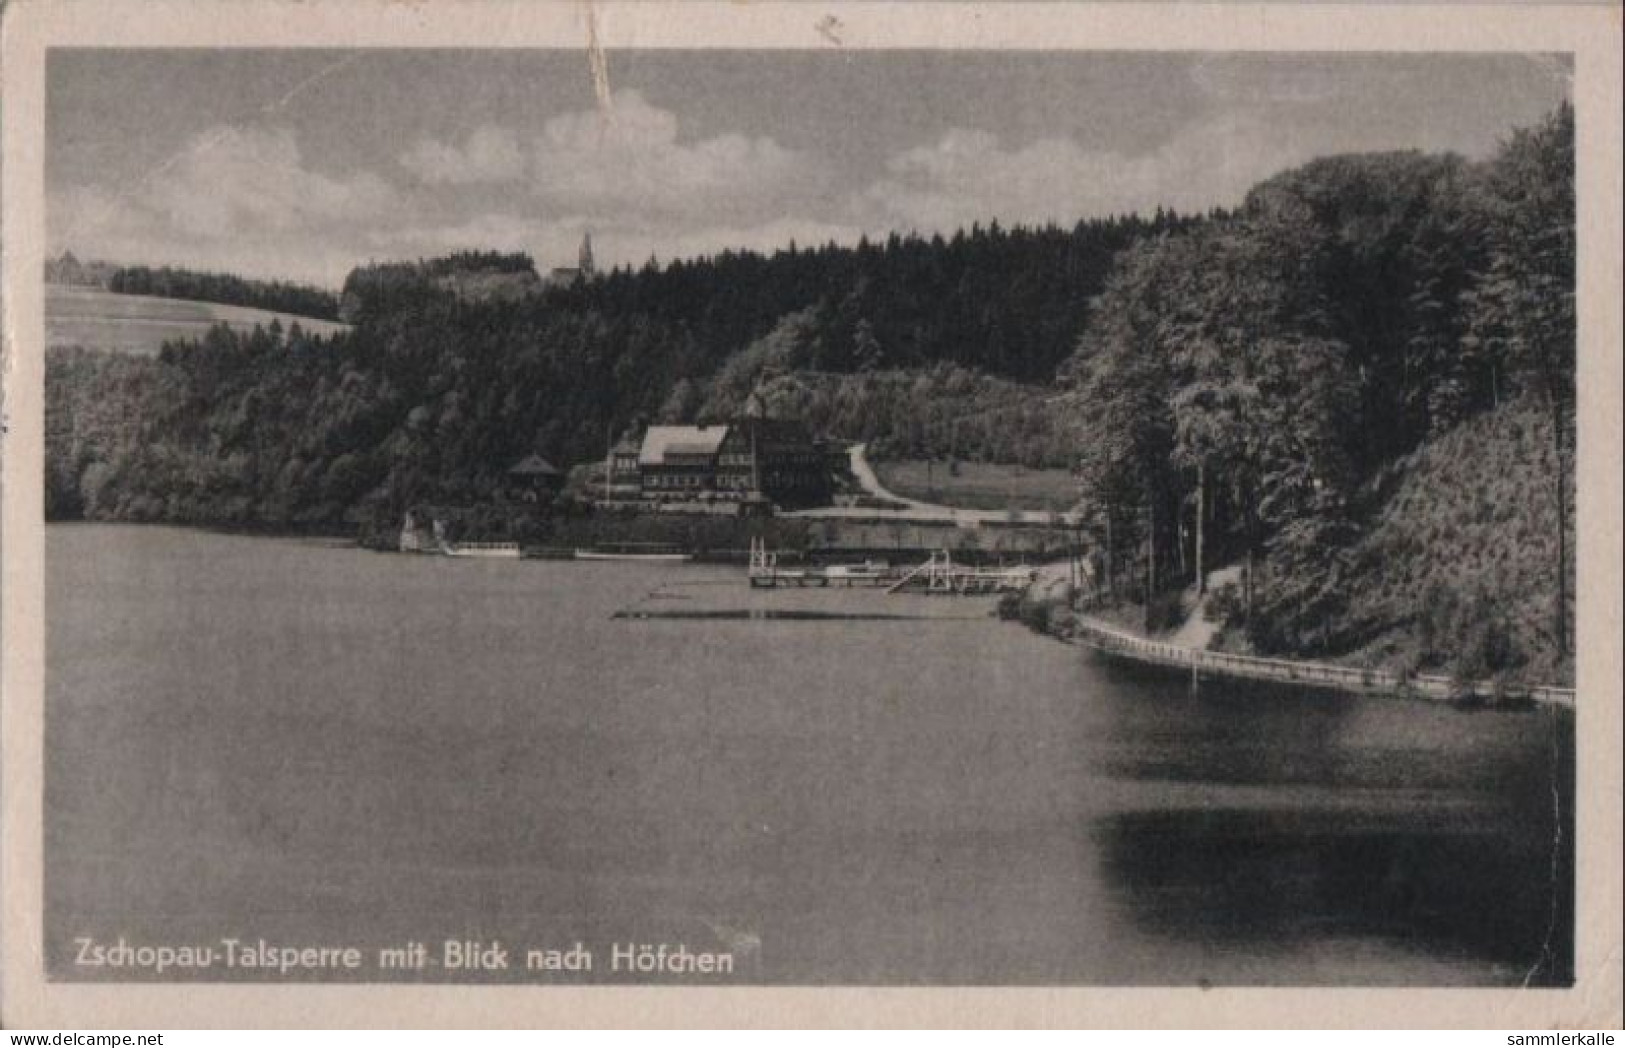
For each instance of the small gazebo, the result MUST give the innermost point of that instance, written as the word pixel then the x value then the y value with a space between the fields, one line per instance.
pixel 534 475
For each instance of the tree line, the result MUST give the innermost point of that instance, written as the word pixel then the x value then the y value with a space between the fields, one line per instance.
pixel 227 289
pixel 433 394
pixel 1009 302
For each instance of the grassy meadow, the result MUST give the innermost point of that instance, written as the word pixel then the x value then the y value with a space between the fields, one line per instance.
pixel 97 319
pixel 980 485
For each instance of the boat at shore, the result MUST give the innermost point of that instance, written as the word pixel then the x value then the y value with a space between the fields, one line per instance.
pixel 508 550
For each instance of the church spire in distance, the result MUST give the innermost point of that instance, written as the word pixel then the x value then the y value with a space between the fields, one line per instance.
pixel 585 259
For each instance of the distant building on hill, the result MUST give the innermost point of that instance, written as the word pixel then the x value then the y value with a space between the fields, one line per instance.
pixel 584 269
pixel 67 271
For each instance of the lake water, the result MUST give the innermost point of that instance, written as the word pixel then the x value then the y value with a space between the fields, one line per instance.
pixel 316 745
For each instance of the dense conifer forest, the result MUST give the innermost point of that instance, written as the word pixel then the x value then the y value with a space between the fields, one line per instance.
pixel 1256 385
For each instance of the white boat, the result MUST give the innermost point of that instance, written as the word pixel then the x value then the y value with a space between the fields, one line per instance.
pixel 870 569
pixel 481 549
pixel 589 554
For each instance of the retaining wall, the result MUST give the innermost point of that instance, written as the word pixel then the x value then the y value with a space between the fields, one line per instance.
pixel 1111 640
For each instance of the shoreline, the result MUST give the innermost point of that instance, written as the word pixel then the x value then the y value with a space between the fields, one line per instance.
pixel 1113 642
pixel 1036 607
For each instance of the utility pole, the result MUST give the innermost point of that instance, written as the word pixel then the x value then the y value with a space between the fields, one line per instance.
pixel 755 465
pixel 609 459
pixel 1201 506
pixel 1150 559
pixel 1111 587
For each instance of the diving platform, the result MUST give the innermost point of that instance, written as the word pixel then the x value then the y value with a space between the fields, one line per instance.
pixel 940 574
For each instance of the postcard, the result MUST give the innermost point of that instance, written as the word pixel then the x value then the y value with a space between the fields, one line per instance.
pixel 813 514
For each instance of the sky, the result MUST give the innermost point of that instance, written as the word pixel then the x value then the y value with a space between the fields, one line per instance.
pixel 301 164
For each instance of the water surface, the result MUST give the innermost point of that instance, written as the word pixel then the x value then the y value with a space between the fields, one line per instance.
pixel 310 743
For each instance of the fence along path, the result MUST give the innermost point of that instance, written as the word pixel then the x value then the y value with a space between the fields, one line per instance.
pixel 1106 638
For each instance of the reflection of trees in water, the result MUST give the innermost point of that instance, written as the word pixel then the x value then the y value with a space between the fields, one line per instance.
pixel 1252 733
pixel 1465 868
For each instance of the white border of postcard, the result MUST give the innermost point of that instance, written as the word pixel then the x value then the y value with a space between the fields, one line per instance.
pixel 1590 33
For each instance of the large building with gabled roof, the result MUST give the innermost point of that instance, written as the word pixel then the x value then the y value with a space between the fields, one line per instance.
pixel 744 460
pixel 679 460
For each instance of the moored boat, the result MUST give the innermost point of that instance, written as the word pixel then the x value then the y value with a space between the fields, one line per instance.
pixel 868 570
pixel 481 549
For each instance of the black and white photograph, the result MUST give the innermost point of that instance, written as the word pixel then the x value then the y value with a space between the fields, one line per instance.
pixel 810 517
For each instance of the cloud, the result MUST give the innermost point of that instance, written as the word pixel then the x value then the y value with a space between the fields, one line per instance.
pixel 972 175
pixel 231 198
pixel 491 154
pixel 1252 79
pixel 97 224
pixel 633 157
pixel 630 158
pixel 77 216
pixel 630 176
pixel 497 230
pixel 242 180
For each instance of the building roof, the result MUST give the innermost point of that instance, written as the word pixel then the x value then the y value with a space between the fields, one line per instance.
pixel 782 429
pixel 660 442
pixel 534 466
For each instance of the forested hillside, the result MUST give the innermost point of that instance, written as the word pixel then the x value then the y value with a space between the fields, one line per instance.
pixel 436 391
pixel 942 411
pixel 1006 301
pixel 1456 569
pixel 378 289
pixel 1250 378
